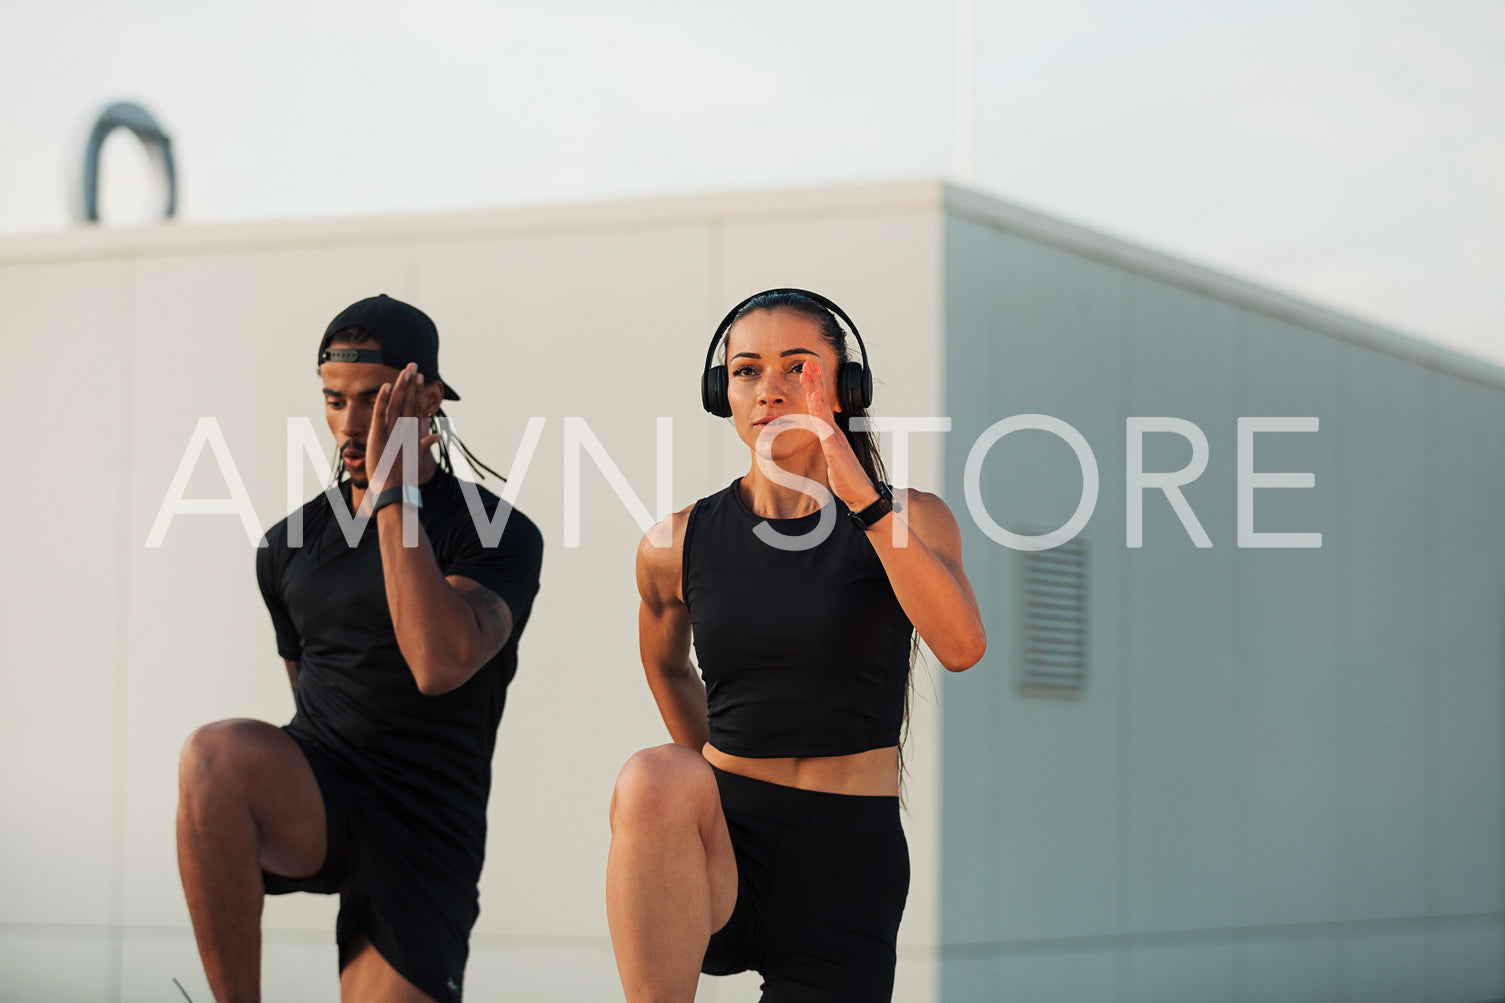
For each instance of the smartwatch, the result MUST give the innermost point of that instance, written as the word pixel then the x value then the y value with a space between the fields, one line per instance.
pixel 877 510
pixel 408 494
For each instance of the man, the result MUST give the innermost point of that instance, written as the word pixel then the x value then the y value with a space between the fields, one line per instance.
pixel 399 653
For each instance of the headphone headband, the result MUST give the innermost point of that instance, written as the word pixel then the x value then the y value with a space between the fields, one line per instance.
pixel 854 381
pixel 731 316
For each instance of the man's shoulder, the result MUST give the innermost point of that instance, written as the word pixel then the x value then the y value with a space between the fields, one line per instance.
pixel 470 503
pixel 456 491
pixel 313 509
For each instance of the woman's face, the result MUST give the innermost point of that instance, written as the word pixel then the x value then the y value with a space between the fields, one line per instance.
pixel 766 352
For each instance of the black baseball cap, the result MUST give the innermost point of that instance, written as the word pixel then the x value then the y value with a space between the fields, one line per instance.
pixel 406 334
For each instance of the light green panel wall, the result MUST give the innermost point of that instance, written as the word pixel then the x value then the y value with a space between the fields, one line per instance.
pixel 1286 775
pixel 1385 501
pixel 1466 474
pixel 1285 641
pixel 1178 648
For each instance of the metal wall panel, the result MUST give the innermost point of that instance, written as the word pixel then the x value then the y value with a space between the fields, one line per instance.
pixel 1466 476
pixel 1386 966
pixel 1305 749
pixel 1285 646
pixel 1385 507
pixel 1180 661
pixel 1201 972
pixel 969 841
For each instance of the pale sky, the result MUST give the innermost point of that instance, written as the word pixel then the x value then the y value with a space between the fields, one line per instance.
pixel 1352 153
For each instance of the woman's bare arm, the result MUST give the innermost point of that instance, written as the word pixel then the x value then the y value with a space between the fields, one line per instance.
pixel 664 637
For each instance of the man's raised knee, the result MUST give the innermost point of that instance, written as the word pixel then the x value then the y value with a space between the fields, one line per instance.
pixel 218 752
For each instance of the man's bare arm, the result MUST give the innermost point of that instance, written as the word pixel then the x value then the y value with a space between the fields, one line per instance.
pixel 493 615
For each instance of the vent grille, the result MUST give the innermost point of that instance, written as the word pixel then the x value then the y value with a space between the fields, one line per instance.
pixel 1055 618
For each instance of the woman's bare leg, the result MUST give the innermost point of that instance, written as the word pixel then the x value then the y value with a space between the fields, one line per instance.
pixel 671 875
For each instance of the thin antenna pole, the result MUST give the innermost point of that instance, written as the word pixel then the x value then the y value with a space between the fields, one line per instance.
pixel 966 91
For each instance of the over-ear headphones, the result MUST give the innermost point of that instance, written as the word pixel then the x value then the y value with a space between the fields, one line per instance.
pixel 854 381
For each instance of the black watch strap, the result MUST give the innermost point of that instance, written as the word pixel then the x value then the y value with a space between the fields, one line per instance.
pixel 401 493
pixel 877 510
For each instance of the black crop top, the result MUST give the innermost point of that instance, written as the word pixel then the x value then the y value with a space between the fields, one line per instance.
pixel 804 652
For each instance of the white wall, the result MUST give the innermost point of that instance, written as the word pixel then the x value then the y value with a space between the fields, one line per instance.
pixel 113 652
pixel 1285 778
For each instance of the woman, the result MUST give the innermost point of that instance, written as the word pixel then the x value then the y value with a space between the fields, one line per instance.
pixel 767 837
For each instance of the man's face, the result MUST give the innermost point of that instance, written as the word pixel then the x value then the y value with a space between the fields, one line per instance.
pixel 350 390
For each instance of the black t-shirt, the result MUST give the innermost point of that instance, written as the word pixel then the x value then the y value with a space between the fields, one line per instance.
pixel 356 697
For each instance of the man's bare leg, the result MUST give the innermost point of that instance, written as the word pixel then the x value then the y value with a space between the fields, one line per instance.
pixel 368 978
pixel 247 801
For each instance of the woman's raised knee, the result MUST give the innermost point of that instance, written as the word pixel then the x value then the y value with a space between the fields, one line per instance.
pixel 663 785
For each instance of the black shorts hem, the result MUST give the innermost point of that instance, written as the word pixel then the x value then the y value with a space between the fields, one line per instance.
pixel 416 912
pixel 326 880
pixel 386 946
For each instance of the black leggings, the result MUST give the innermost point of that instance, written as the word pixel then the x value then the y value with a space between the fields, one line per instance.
pixel 821 884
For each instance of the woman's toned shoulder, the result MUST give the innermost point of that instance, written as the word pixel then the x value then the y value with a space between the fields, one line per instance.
pixel 931 519
pixel 660 558
pixel 922 507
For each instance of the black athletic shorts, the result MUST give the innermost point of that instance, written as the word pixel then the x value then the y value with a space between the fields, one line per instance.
pixel 821 884
pixel 416 908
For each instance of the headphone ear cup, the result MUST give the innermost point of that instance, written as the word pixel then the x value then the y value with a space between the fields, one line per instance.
pixel 713 392
pixel 854 386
